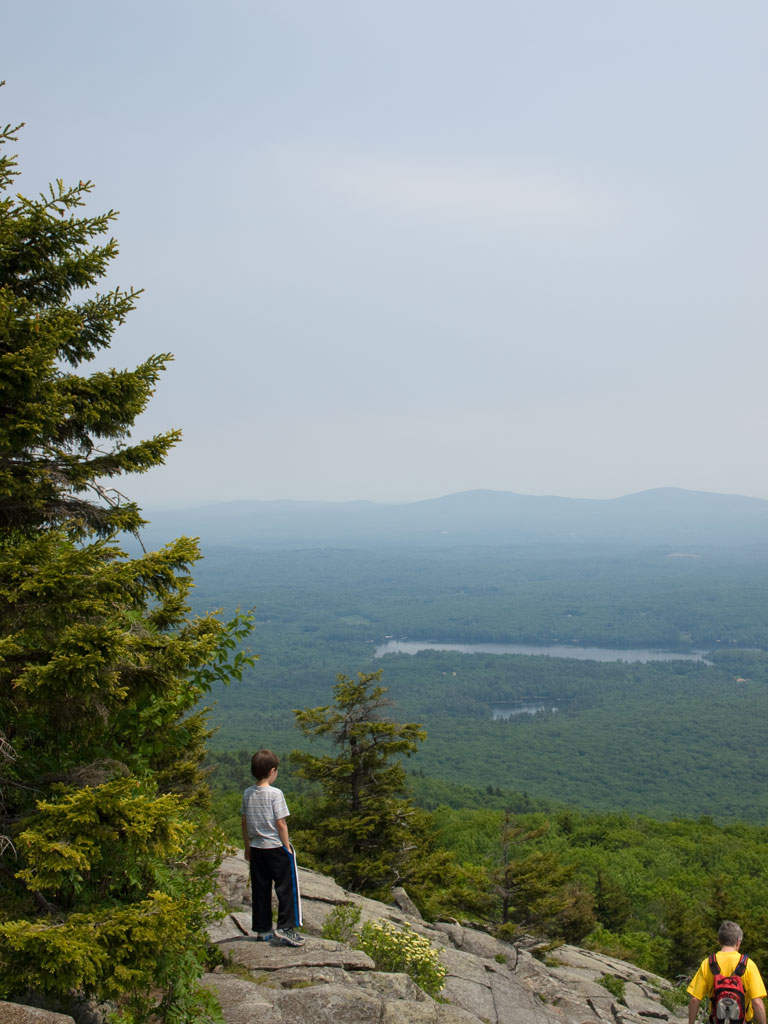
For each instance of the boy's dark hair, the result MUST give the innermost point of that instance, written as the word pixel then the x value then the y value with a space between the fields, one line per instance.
pixel 262 763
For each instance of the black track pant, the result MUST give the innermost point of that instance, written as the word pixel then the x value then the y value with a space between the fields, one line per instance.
pixel 276 865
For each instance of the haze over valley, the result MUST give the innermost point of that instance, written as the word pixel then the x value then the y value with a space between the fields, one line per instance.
pixel 661 516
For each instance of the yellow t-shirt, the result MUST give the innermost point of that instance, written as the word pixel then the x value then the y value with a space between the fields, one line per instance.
pixel 703 981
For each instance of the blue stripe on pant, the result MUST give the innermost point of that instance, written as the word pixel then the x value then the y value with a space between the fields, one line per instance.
pixel 274 865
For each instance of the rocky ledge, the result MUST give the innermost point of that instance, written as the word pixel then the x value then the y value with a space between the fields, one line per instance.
pixel 487 980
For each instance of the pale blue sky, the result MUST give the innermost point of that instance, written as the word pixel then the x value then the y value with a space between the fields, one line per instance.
pixel 406 249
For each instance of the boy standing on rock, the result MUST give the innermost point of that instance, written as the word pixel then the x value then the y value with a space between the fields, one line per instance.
pixel 268 850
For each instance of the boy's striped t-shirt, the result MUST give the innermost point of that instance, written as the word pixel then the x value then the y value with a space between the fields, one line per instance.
pixel 263 807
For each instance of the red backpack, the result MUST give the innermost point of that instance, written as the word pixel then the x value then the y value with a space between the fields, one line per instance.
pixel 728 1000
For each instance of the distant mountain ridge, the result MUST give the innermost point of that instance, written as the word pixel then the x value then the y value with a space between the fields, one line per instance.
pixel 662 516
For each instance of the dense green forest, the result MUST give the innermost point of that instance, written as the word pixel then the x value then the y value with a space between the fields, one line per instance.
pixel 608 596
pixel 626 736
pixel 657 891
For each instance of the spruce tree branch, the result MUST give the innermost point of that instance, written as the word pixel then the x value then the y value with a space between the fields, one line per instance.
pixel 49 908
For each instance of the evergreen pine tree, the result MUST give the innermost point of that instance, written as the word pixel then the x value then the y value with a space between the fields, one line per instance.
pixel 361 830
pixel 535 889
pixel 106 853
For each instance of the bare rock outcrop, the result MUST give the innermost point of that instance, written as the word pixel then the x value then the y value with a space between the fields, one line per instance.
pixel 12 1013
pixel 488 981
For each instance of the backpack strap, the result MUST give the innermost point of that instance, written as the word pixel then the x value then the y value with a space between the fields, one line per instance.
pixel 738 970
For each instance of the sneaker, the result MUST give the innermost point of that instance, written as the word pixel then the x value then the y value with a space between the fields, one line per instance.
pixel 264 936
pixel 288 937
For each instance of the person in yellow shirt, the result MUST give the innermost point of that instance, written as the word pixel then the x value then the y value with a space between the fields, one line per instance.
pixel 729 936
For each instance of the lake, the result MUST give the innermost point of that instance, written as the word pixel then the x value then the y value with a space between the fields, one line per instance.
pixel 510 708
pixel 555 651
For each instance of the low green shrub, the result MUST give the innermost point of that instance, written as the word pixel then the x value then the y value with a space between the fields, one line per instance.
pixel 341 923
pixel 614 985
pixel 674 999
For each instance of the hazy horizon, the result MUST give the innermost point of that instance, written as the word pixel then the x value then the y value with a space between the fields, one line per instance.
pixel 171 505
pixel 406 250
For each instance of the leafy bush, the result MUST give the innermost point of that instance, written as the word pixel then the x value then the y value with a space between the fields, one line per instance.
pixel 341 923
pixel 402 950
pixel 648 951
